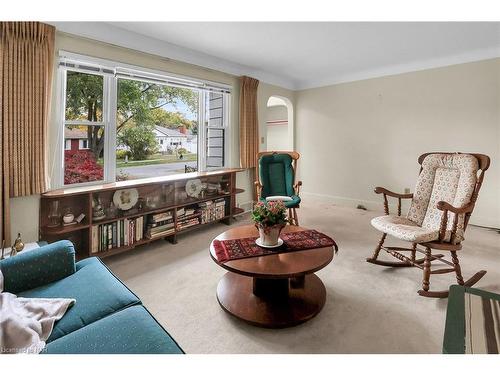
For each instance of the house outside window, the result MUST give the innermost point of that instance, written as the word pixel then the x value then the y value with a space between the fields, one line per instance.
pixel 153 134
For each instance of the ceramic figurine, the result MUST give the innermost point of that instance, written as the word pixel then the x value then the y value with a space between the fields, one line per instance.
pixel 97 209
pixel 18 244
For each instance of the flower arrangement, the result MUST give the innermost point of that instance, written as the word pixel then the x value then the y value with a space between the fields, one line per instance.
pixel 269 213
pixel 270 218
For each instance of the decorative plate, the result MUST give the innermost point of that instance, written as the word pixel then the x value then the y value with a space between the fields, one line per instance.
pixel 125 199
pixel 193 187
pixel 280 242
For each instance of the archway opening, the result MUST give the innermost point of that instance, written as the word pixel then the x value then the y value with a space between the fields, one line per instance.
pixel 279 126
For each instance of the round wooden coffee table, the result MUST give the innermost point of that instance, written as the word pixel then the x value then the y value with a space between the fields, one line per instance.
pixel 275 291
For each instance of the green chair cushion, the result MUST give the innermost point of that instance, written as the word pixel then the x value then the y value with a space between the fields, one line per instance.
pixel 129 331
pixel 98 293
pixel 276 175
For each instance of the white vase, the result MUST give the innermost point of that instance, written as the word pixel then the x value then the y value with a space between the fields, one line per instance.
pixel 269 235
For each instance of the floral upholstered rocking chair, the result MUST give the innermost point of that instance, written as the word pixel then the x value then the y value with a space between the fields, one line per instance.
pixel 446 192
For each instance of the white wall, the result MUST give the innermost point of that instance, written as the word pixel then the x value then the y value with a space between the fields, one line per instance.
pixel 277 133
pixel 355 136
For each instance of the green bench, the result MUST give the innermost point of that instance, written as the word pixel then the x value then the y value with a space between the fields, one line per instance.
pixel 472 322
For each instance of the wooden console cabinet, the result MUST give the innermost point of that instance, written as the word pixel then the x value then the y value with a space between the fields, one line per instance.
pixel 163 202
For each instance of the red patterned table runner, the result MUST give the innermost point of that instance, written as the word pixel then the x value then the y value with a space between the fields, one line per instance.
pixel 226 250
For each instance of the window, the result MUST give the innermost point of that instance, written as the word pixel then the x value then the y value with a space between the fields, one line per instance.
pixel 123 123
pixel 83 125
pixel 83 144
pixel 145 111
pixel 215 130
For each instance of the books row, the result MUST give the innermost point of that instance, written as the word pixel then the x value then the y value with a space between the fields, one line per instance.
pixel 188 223
pixel 119 233
pixel 212 210
pixel 126 232
pixel 160 225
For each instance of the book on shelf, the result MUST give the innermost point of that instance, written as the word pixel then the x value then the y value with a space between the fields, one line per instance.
pixel 212 210
pixel 188 223
pixel 158 225
pixel 160 217
pixel 189 211
pixel 116 234
pixel 161 234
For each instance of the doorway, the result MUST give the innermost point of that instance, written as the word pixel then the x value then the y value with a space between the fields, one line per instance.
pixel 279 130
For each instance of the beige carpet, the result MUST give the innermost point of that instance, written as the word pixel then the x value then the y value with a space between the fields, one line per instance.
pixel 369 309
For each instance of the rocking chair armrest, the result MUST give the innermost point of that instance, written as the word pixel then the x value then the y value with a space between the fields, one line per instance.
pixel 297 187
pixel 381 190
pixel 386 193
pixel 258 188
pixel 445 206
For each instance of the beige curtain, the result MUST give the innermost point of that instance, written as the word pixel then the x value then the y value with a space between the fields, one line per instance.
pixel 26 63
pixel 249 124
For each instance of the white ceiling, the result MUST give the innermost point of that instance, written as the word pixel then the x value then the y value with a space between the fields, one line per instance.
pixel 305 54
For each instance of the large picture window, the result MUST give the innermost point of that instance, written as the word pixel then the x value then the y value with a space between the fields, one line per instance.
pixel 124 124
pixel 157 129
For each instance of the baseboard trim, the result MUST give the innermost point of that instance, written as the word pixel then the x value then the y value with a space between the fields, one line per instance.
pixel 377 206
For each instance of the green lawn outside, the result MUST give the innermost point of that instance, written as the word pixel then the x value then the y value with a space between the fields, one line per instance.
pixel 156 159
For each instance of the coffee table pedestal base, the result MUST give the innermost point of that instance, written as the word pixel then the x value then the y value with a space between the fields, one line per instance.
pixel 271 303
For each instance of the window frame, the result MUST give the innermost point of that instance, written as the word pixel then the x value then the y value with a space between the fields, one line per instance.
pixel 107 123
pixel 110 96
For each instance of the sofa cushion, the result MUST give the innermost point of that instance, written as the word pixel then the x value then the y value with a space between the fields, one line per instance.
pixel 28 270
pixel 98 293
pixel 129 331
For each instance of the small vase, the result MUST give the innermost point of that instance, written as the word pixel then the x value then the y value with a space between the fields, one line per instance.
pixel 54 215
pixel 269 235
pixel 68 216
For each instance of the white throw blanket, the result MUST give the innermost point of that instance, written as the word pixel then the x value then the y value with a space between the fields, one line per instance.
pixel 26 323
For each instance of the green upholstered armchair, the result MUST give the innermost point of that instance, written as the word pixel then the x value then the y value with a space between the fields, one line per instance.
pixel 276 171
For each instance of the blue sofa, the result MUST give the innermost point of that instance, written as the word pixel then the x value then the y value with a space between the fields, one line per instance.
pixel 107 317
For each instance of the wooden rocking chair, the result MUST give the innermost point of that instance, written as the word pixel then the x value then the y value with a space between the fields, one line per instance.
pixel 445 195
pixel 276 171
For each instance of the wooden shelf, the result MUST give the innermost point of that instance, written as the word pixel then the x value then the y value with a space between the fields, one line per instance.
pixel 64 229
pixel 157 210
pixel 133 215
pixel 201 225
pixel 137 183
pixel 121 249
pixel 79 200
